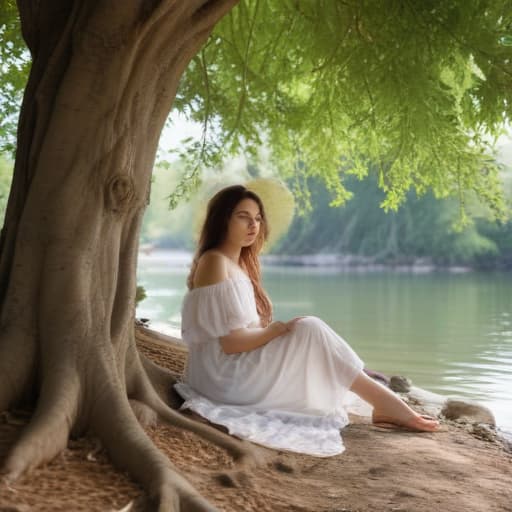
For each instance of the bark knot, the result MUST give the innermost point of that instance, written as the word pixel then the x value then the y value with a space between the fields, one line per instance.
pixel 119 193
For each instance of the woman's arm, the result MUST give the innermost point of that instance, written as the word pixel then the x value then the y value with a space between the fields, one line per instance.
pixel 249 338
pixel 212 269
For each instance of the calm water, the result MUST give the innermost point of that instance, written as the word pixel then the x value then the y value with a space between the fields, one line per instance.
pixel 449 333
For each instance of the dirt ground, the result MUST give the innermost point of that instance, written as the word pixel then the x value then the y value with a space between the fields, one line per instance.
pixel 380 471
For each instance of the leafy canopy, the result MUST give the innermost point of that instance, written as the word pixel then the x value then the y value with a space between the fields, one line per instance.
pixel 14 66
pixel 418 90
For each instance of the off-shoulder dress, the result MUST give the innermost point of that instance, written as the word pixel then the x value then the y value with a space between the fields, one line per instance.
pixel 288 394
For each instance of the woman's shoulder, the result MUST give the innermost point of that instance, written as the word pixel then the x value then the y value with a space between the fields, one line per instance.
pixel 212 268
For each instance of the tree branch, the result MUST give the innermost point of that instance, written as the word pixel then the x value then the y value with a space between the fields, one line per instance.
pixel 210 13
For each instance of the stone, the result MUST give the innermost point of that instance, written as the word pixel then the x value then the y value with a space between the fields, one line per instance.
pixel 484 432
pixel 400 384
pixel 465 410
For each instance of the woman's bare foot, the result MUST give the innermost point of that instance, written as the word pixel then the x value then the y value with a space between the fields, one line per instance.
pixel 415 423
pixel 389 410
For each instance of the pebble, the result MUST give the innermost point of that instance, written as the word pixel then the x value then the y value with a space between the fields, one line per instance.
pixel 400 384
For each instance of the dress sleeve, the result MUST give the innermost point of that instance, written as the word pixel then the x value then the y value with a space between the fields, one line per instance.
pixel 224 307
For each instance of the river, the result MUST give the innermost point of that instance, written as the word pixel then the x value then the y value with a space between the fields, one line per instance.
pixel 450 333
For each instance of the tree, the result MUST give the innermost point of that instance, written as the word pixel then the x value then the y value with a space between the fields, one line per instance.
pixel 103 76
pixel 403 84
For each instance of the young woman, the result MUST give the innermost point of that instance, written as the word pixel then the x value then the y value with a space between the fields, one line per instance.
pixel 280 384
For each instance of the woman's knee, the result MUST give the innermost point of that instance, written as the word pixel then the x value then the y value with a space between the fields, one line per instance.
pixel 309 325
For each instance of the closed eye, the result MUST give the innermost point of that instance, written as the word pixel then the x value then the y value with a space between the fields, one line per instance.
pixel 246 216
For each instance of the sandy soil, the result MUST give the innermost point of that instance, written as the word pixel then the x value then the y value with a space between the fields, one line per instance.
pixel 380 470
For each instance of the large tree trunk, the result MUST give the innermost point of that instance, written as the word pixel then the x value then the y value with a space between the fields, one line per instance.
pixel 104 76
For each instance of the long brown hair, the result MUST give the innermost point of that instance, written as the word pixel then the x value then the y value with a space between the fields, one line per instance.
pixel 214 230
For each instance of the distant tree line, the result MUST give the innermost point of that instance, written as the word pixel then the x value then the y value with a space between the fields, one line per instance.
pixel 422 228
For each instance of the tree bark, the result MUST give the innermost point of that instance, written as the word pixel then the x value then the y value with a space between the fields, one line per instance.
pixel 103 79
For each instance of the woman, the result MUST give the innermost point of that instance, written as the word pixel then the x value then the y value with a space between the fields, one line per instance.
pixel 280 384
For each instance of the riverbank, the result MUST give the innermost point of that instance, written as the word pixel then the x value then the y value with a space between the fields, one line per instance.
pixel 356 263
pixel 380 470
pixel 334 261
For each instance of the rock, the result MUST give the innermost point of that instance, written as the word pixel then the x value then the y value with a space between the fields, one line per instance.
pixel 468 411
pixel 484 431
pixel 384 379
pixel 400 384
pixel 506 441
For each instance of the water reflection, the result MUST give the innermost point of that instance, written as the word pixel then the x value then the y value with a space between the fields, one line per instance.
pixel 450 333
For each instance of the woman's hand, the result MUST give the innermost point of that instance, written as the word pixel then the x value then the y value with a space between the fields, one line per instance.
pixel 291 323
pixel 279 328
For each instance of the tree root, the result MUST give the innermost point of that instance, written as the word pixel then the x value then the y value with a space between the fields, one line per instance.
pixel 62 406
pixel 243 452
pixel 131 449
pixel 146 416
pixel 162 381
pixel 47 433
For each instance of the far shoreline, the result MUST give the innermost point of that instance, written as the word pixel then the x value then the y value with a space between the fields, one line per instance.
pixel 327 261
pixel 351 263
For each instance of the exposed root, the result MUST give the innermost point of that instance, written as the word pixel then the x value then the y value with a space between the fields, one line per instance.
pixel 48 431
pixel 162 381
pixel 146 416
pixel 245 454
pixel 131 449
pixel 174 498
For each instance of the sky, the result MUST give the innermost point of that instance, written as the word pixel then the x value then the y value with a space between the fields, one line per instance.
pixel 181 128
pixel 177 131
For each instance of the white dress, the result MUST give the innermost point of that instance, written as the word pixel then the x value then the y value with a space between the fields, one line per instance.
pixel 288 394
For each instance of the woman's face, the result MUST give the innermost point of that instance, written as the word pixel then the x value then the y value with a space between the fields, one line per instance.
pixel 244 223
